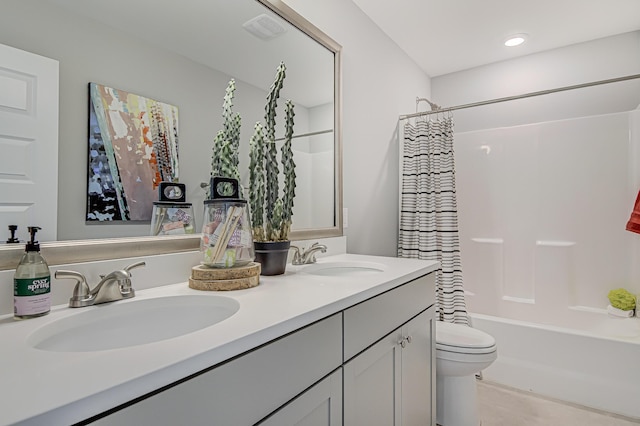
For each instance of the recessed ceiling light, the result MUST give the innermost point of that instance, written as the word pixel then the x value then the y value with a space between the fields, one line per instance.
pixel 515 40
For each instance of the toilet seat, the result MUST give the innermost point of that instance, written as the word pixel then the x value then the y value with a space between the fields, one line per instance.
pixel 462 339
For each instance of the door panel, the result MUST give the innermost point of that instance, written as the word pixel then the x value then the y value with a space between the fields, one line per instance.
pixel 28 142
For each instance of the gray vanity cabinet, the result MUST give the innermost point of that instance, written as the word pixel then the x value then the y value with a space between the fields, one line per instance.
pixel 391 382
pixel 246 389
pixel 371 364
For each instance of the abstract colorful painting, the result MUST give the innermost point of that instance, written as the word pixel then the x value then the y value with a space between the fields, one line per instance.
pixel 133 146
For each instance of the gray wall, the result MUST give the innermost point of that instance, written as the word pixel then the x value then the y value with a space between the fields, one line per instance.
pixel 595 60
pixel 380 82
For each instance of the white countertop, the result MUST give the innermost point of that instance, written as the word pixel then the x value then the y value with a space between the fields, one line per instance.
pixel 61 388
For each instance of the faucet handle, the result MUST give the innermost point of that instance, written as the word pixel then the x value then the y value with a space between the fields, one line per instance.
pixel 127 268
pixel 297 258
pixel 80 291
pixel 134 265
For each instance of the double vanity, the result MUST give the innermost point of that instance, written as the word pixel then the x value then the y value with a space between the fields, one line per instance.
pixel 348 340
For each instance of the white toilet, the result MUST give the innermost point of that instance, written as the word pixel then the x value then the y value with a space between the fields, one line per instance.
pixel 461 352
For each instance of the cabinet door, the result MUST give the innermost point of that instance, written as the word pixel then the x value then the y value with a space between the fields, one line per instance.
pixel 319 406
pixel 418 370
pixel 372 383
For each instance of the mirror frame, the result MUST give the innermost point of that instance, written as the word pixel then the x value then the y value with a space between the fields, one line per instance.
pixel 77 251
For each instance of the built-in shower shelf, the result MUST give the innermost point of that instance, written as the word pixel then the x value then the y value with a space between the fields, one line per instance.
pixel 549 243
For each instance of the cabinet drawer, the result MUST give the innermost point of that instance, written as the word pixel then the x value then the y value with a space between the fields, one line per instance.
pixel 247 389
pixel 365 323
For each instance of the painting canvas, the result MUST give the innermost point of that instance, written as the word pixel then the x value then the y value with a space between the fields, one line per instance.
pixel 133 146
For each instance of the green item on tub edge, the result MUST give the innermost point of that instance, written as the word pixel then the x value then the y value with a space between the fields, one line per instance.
pixel 622 299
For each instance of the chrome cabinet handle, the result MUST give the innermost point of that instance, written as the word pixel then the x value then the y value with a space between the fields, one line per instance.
pixel 403 342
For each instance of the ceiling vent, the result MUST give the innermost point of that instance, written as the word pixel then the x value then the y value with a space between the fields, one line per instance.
pixel 264 27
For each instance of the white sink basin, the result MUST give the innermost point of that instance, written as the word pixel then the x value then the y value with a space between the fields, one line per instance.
pixel 343 269
pixel 133 322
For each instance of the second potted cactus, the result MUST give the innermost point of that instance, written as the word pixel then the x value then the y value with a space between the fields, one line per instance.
pixel 271 209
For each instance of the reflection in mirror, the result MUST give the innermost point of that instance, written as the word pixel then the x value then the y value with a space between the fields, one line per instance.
pixel 184 53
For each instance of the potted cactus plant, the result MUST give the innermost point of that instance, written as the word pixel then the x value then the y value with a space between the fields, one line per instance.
pixel 271 209
pixel 226 239
pixel 224 158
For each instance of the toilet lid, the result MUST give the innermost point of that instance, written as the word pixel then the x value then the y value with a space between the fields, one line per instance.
pixel 461 338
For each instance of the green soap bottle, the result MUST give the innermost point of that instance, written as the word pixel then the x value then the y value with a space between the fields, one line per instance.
pixel 32 282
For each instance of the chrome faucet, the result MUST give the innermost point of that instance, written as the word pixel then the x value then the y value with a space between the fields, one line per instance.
pixel 307 256
pixel 114 286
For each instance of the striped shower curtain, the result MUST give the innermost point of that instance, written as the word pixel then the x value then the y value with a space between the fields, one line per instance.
pixel 428 215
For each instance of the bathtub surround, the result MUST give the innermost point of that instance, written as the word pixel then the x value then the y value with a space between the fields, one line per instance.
pixel 428 212
pixel 543 242
pixel 542 235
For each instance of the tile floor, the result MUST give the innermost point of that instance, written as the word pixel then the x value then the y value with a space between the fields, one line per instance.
pixel 503 406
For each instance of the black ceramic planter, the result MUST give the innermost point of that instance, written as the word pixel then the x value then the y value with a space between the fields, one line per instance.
pixel 272 256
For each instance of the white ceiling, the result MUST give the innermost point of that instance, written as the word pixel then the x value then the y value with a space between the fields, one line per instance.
pixel 444 36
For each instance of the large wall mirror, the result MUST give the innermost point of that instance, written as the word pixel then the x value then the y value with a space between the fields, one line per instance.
pixel 183 53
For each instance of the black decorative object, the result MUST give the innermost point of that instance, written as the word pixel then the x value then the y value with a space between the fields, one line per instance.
pixel 272 256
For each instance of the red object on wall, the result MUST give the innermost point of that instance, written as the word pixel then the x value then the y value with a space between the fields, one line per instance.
pixel 634 221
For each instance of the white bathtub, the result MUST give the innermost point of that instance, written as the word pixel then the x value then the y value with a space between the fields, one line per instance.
pixel 596 366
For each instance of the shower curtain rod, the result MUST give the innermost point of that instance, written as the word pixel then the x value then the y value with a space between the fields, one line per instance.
pixel 319 132
pixel 526 95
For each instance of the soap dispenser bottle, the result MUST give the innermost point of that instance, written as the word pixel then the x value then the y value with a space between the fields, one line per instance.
pixel 32 282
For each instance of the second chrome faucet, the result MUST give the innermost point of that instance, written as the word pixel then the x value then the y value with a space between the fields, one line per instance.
pixel 305 257
pixel 114 286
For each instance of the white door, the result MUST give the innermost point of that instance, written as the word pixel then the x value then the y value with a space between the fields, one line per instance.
pixel 28 143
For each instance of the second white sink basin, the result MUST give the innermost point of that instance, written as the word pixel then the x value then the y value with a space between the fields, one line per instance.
pixel 133 322
pixel 343 268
